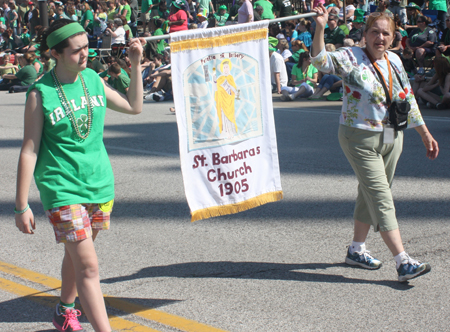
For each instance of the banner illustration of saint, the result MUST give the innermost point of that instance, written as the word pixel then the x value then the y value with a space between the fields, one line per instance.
pixel 224 96
pixel 223 100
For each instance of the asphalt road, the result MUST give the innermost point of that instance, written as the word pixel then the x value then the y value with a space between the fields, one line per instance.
pixel 276 268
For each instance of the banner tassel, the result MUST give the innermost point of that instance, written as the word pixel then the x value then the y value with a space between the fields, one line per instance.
pixel 222 210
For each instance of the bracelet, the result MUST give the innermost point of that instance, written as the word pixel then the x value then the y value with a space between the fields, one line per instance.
pixel 22 211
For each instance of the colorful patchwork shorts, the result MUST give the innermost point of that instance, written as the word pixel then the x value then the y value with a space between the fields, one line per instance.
pixel 73 223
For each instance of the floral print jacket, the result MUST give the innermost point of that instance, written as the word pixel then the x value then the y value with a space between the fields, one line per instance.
pixel 364 105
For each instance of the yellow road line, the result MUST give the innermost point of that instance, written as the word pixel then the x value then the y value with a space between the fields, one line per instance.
pixel 161 317
pixel 50 300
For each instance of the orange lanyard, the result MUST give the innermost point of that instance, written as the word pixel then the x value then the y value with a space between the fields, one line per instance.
pixel 380 73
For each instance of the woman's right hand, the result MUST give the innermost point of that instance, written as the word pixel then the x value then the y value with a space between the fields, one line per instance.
pixel 322 16
pixel 25 222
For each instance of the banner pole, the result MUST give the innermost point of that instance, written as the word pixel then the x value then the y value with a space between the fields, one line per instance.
pixel 280 19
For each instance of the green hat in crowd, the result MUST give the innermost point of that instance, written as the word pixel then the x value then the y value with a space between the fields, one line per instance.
pixel 295 12
pixel 358 14
pixel 359 20
pixel 177 3
pixel 413 6
pixel 273 42
pixel 92 53
pixel 223 7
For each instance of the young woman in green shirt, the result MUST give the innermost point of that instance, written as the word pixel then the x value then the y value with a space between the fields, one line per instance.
pixel 63 147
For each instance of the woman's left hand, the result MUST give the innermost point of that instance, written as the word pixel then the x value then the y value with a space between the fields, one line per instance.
pixel 431 145
pixel 135 50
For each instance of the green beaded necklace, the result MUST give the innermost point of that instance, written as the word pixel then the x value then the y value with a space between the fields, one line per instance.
pixel 82 125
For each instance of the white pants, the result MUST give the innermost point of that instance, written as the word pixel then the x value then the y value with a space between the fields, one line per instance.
pixel 308 90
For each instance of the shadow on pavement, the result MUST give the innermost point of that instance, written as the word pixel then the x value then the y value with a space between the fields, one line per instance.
pixel 255 270
pixel 14 311
pixel 292 210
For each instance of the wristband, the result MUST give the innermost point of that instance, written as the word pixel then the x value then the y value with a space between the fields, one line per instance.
pixel 22 211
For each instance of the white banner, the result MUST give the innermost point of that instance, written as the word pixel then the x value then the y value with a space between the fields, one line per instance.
pixel 223 100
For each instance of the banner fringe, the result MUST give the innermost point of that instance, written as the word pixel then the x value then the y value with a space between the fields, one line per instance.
pixel 202 43
pixel 222 210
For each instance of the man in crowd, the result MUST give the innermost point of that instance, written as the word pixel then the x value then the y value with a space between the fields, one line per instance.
pixel 278 73
pixel 334 35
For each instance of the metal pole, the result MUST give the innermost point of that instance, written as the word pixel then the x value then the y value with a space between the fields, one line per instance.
pixel 43 13
pixel 343 9
pixel 281 19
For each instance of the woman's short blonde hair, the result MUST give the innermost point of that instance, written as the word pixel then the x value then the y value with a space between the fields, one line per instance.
pixel 372 18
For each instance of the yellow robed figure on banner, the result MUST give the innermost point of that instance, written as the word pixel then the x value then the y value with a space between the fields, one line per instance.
pixel 224 97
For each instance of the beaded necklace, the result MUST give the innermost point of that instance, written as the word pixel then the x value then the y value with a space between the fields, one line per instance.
pixel 82 125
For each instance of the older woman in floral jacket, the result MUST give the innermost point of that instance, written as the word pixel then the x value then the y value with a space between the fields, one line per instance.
pixel 368 140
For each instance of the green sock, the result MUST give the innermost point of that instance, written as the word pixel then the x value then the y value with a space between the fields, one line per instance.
pixel 63 306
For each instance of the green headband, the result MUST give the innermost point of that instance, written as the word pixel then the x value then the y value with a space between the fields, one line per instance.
pixel 63 33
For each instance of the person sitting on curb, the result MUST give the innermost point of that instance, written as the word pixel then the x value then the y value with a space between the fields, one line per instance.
pixel 304 77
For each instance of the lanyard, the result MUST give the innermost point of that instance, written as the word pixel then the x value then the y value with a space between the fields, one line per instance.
pixel 383 81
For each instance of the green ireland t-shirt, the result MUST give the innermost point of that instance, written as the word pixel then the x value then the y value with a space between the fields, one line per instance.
pixel 299 74
pixel 27 75
pixel 69 171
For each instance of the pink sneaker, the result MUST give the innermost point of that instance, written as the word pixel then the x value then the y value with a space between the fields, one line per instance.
pixel 68 321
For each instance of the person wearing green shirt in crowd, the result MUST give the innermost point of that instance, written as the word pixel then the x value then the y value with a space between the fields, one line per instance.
pixel 117 79
pixel 38 65
pixel 94 63
pixel 25 76
pixel 48 62
pixel 25 37
pixel 441 7
pixel 205 5
pixel 13 17
pixel 60 13
pixel 304 77
pixel 283 8
pixel 222 16
pixel 333 34
pixel 382 7
pixel 158 22
pixel 268 9
pixel 163 12
pixel 111 10
pixel 125 10
pixel 87 19
pixel 9 43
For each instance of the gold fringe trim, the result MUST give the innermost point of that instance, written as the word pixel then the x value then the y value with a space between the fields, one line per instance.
pixel 222 210
pixel 202 43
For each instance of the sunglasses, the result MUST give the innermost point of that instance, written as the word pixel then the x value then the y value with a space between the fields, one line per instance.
pixel 376 14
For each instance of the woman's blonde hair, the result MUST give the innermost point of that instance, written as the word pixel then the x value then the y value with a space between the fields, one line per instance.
pixel 372 18
pixel 299 44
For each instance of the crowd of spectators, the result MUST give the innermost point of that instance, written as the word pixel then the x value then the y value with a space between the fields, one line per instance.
pixel 422 37
pixel 422 41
